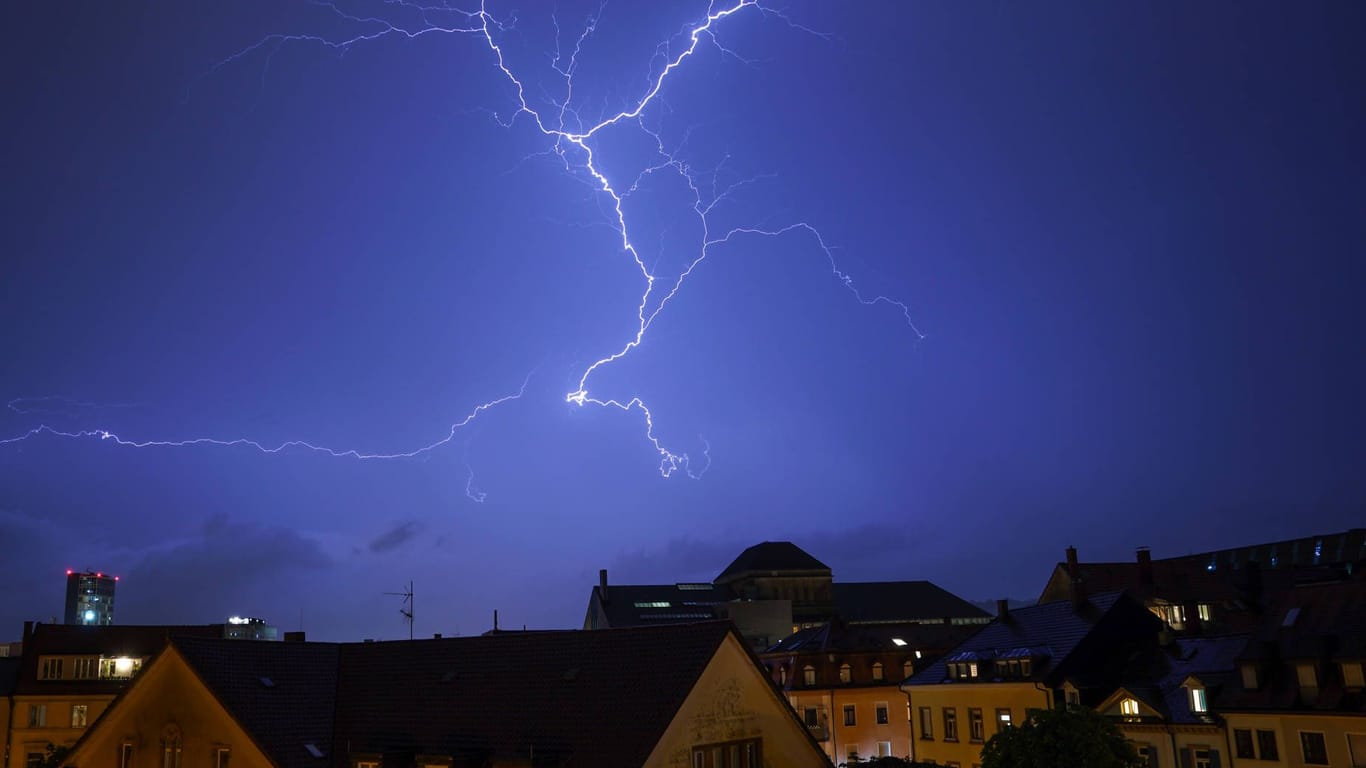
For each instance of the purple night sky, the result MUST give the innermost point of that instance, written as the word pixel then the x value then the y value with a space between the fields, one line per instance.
pixel 966 283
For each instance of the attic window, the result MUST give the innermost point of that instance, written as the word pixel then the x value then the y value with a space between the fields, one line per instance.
pixel 1129 707
pixel 898 642
pixel 1250 681
pixel 1290 616
pixel 267 682
pixel 877 670
pixel 313 749
pixel 846 673
pixel 1199 704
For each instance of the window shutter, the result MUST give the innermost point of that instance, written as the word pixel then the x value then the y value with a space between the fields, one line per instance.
pixel 1187 759
pixel 1214 758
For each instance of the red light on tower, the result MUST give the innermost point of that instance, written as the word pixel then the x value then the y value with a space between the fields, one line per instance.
pixel 99 575
pixel 116 578
pixel 68 571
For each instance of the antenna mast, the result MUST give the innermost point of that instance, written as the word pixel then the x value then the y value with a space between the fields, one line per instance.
pixel 407 609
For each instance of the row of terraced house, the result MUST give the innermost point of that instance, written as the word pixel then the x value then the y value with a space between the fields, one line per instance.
pixel 1251 656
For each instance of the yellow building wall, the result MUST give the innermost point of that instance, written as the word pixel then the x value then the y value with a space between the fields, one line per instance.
pixel 1019 698
pixel 733 700
pixel 1170 741
pixel 865 734
pixel 1335 730
pixel 58 729
pixel 166 693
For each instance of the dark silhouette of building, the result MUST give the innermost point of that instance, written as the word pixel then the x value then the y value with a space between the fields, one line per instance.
pixel 90 598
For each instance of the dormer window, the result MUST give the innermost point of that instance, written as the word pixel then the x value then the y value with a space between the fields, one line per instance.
pixel 877 671
pixel 1129 708
pixel 1351 675
pixel 1309 682
pixel 846 673
pixel 1199 704
pixel 1250 681
pixel 907 668
pixel 808 676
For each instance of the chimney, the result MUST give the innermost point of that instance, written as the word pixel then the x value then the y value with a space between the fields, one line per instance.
pixel 1002 610
pixel 495 619
pixel 436 636
pixel 28 632
pixel 294 637
pixel 602 585
pixel 1145 567
pixel 1077 590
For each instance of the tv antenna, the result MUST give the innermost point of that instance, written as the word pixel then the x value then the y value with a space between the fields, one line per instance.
pixel 407 609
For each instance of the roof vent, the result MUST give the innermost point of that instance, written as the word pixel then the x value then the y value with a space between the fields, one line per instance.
pixel 313 749
pixel 267 682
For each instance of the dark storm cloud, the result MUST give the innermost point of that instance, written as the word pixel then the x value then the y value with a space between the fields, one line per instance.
pixel 227 567
pixel 394 537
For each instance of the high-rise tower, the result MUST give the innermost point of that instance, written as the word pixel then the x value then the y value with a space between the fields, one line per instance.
pixel 90 598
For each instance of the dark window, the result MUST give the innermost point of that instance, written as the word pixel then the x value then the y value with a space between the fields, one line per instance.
pixel 950 724
pixel 1147 755
pixel 1314 749
pixel 812 717
pixel 1266 744
pixel 1242 744
pixel 731 754
pixel 881 713
pixel 926 723
pixel 125 755
pixel 975 728
pixel 848 714
pixel 33 760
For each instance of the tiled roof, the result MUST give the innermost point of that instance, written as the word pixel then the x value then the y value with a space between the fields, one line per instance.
pixel 581 698
pixel 1317 624
pixel 900 601
pixel 283 694
pixel 652 604
pixel 1157 677
pixel 115 640
pixel 1054 630
pixel 855 638
pixel 772 556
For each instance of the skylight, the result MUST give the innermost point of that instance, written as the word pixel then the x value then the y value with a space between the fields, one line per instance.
pixel 1290 616
pixel 313 749
pixel 898 641
pixel 267 682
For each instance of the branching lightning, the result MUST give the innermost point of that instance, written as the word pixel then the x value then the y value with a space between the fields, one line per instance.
pixel 576 144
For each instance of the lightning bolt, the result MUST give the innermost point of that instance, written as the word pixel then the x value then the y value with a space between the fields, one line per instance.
pixel 576 144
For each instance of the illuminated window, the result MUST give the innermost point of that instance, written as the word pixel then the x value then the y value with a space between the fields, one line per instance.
pixel 654 604
pixel 849 718
pixel 1309 682
pixel 846 674
pixel 1203 609
pixel 976 732
pixel 877 671
pixel 1128 707
pixel 1198 702
pixel 78 714
pixel 908 668
pixel 884 749
pixel 1002 719
pixel 880 710
pixel 808 675
pixel 1202 757
pixel 119 668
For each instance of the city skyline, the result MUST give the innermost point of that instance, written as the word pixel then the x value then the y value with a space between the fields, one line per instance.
pixel 310 301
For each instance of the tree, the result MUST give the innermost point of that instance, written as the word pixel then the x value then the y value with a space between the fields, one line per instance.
pixel 1075 737
pixel 55 755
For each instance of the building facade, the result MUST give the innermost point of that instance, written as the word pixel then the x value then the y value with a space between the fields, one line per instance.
pixel 90 598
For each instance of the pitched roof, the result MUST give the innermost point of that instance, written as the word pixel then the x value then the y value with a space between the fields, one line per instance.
pixel 652 604
pixel 283 694
pixel 1158 676
pixel 1308 624
pixel 1049 632
pixel 900 601
pixel 136 641
pixel 842 637
pixel 565 693
pixel 771 556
